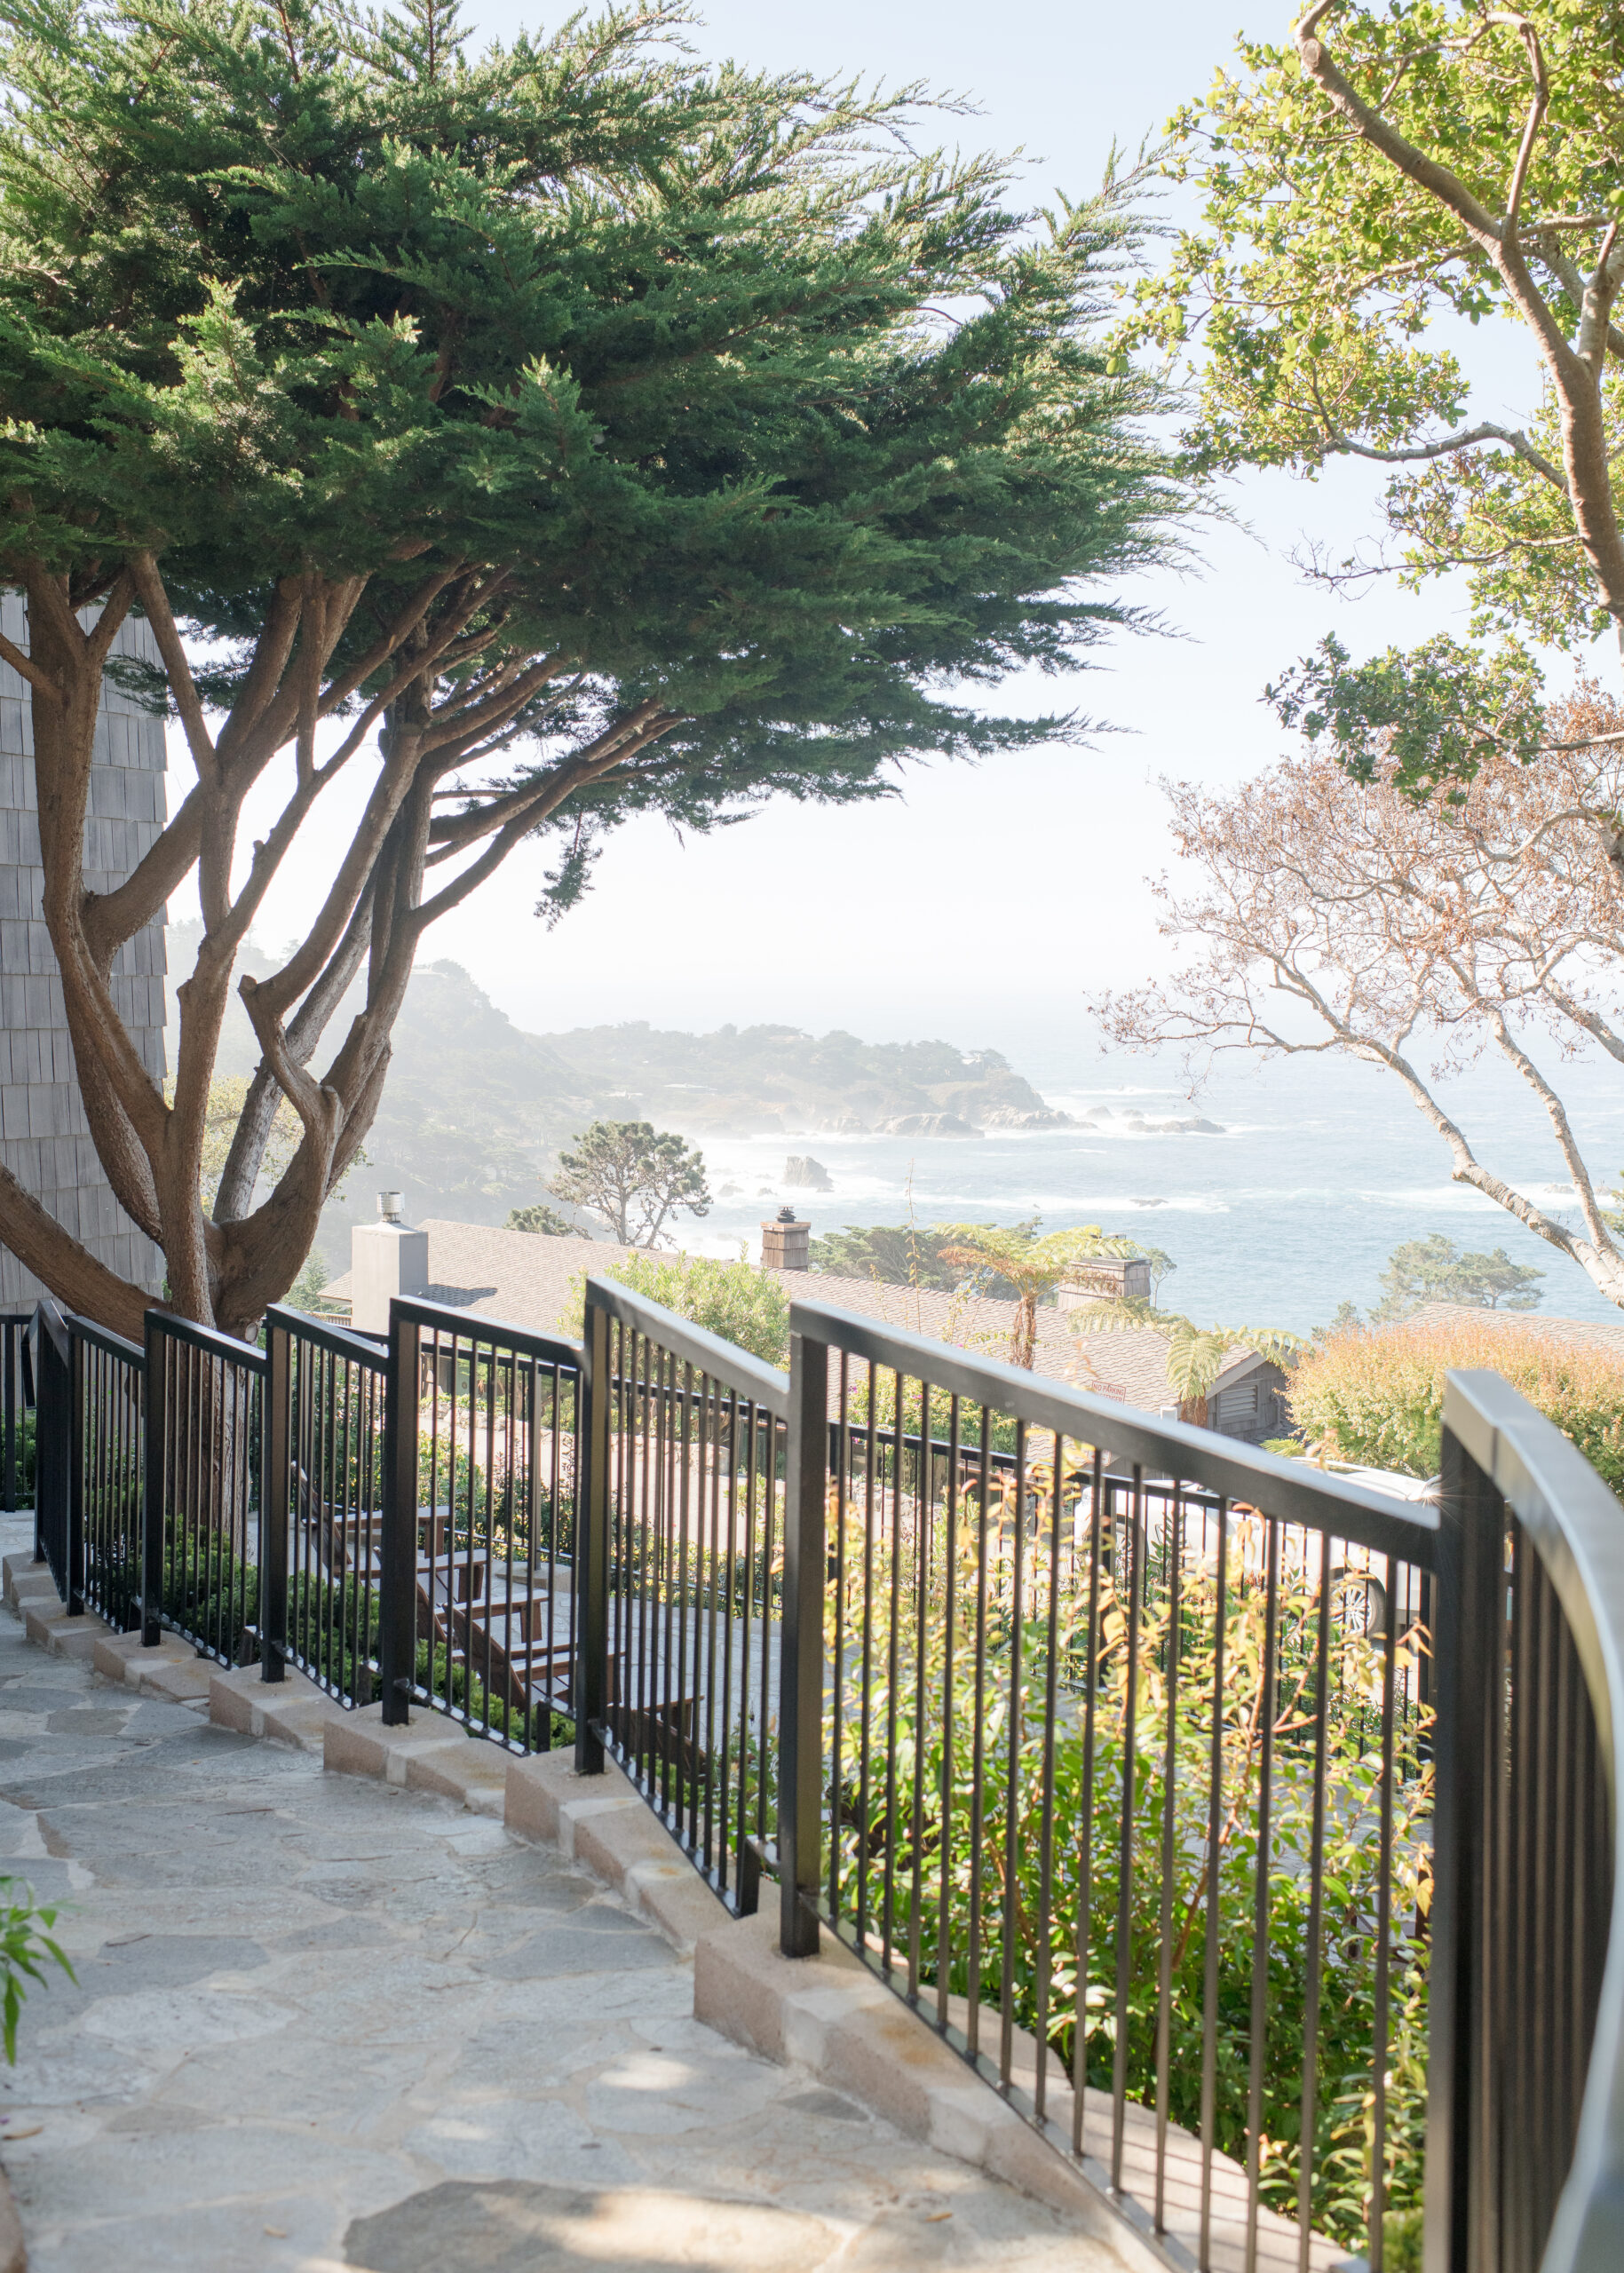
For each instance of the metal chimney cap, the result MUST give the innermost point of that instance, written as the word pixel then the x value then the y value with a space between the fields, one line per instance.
pixel 391 1206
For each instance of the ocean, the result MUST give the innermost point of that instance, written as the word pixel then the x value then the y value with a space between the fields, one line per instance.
pixel 1323 1167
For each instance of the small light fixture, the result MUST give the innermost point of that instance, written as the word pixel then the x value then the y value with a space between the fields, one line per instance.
pixel 391 1207
pixel 786 1215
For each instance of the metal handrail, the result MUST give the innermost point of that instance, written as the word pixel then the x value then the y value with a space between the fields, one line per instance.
pixel 338 1340
pixel 16 1401
pixel 695 1345
pixel 1507 1472
pixel 247 1355
pixel 106 1457
pixel 900 1556
pixel 204 1457
pixel 102 1337
pixel 1576 1525
pixel 676 1576
pixel 475 1327
pixel 1223 1464
pixel 494 1608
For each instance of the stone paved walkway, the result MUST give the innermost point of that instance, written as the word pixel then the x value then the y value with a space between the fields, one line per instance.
pixel 320 2022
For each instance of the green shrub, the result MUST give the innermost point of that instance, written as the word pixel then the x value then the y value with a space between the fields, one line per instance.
pixel 23 1479
pixel 898 1835
pixel 744 1305
pixel 1378 1398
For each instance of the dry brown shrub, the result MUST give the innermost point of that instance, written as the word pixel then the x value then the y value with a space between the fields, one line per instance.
pixel 1378 1396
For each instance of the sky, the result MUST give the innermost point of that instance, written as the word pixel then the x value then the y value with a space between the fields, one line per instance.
pixel 981 904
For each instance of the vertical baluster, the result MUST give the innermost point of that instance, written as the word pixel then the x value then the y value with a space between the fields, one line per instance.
pixel 950 1557
pixel 1174 1538
pixel 977 1770
pixel 1257 2047
pixel 1138 1530
pixel 893 1673
pixel 921 1614
pixel 1215 1868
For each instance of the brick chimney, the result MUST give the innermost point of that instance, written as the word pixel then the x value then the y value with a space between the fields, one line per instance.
pixel 386 1258
pixel 785 1244
pixel 1101 1280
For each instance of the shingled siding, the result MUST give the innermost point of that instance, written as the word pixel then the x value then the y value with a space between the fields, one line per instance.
pixel 44 1139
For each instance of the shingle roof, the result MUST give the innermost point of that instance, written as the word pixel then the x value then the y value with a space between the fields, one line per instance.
pixel 1608 1333
pixel 524 1278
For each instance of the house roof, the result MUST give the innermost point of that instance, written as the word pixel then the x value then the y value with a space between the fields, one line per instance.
pixel 1601 1332
pixel 524 1278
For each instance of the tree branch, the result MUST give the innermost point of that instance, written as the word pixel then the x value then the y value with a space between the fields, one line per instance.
pixel 1449 445
pixel 26 667
pixel 71 1271
pixel 452 831
pixel 243 1161
pixel 1585 441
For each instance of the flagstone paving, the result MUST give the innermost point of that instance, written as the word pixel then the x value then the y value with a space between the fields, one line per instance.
pixel 320 2022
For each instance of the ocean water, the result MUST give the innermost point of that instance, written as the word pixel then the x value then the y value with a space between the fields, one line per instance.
pixel 1323 1167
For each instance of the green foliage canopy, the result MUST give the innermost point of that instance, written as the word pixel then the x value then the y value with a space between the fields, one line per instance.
pixel 576 426
pixel 743 1305
pixel 1433 1269
pixel 545 1221
pixel 634 1176
pixel 1373 189
pixel 898 1255
pixel 1359 183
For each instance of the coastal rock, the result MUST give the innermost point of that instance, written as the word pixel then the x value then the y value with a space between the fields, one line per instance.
pixel 802 1173
pixel 928 1124
pixel 1009 1116
pixel 1180 1125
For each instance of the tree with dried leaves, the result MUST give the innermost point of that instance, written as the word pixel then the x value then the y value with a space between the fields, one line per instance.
pixel 1333 913
pixel 549 437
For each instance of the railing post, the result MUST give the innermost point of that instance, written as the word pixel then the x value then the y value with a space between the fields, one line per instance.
pixel 275 1475
pixel 1468 1644
pixel 30 1402
pixel 800 1722
pixel 76 1476
pixel 50 1425
pixel 591 1683
pixel 155 1427
pixel 8 1419
pixel 398 1610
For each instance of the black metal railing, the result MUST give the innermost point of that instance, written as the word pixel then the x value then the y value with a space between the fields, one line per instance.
pixel 107 1388
pixel 1255 1833
pixel 484 1422
pixel 1526 2136
pixel 1119 1780
pixel 16 1413
pixel 682 1456
pixel 51 1360
pixel 203 1448
pixel 321 1524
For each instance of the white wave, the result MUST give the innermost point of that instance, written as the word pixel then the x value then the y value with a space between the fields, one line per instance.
pixel 1459 1196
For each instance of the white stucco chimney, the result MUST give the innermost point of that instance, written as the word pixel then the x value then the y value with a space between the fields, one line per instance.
pixel 386 1258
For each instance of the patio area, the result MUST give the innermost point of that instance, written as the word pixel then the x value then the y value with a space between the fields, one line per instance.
pixel 321 2022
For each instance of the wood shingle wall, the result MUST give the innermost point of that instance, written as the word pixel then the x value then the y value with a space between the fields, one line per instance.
pixel 44 1139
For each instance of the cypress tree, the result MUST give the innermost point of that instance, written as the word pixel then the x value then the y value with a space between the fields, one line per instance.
pixel 559 433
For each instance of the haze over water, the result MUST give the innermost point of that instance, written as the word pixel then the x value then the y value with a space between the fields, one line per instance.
pixel 1323 1168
